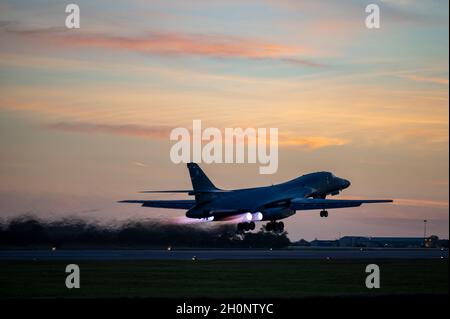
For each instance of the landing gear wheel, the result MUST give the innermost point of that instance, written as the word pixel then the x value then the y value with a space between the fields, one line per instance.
pixel 242 227
pixel 274 226
pixel 278 227
pixel 324 213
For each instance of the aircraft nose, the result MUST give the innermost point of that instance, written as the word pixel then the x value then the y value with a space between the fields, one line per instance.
pixel 345 183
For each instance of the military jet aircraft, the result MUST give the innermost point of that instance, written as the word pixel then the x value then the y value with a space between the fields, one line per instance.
pixel 268 203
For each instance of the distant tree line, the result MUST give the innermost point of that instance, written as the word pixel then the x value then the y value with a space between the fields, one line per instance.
pixel 29 231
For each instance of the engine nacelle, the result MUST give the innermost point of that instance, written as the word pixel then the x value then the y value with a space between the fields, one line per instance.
pixel 198 211
pixel 276 213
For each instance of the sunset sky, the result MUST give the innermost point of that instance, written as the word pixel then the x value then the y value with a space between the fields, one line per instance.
pixel 85 114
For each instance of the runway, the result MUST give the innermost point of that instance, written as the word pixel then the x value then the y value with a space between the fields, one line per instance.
pixel 244 254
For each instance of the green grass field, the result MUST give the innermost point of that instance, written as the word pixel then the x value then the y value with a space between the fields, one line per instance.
pixel 221 279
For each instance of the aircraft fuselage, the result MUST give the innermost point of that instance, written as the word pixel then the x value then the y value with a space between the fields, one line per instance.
pixel 220 205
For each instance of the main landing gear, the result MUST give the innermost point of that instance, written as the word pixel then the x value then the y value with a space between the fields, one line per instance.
pixel 275 226
pixel 324 213
pixel 246 226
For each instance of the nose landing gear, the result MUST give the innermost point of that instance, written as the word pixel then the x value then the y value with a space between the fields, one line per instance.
pixel 275 226
pixel 324 213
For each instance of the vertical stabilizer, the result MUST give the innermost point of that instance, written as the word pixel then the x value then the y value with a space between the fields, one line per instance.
pixel 200 182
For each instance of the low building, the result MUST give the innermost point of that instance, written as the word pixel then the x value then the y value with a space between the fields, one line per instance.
pixel 302 243
pixel 324 243
pixel 354 241
pixel 394 242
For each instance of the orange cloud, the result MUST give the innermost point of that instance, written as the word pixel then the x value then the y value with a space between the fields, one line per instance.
pixel 127 129
pixel 163 132
pixel 430 79
pixel 313 142
pixel 440 182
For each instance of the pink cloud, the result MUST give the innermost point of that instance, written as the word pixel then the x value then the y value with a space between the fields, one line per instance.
pixel 177 44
